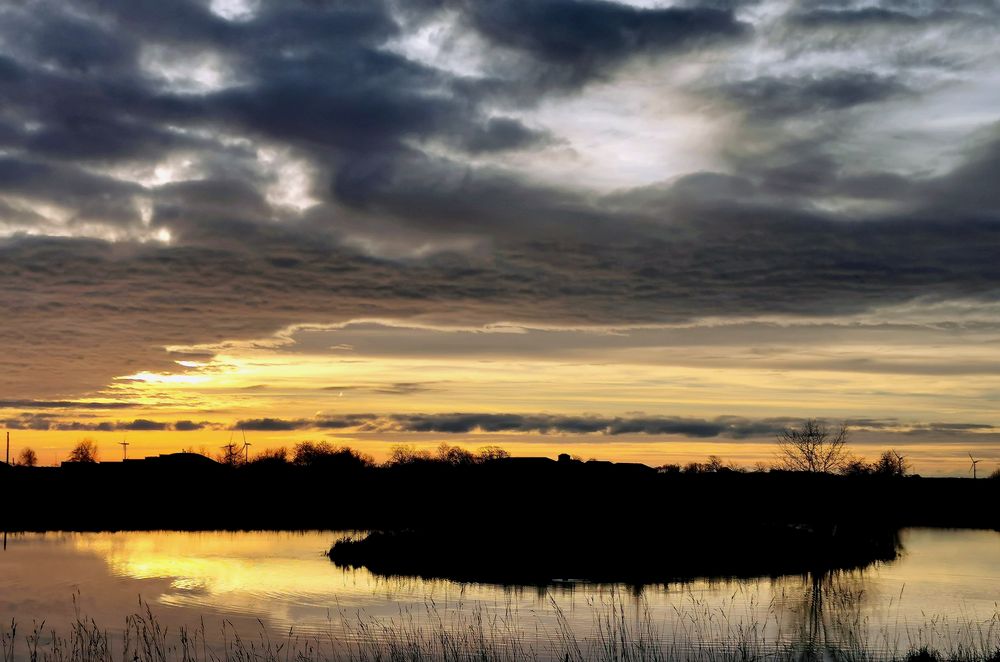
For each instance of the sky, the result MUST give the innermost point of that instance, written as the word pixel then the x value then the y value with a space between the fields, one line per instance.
pixel 645 231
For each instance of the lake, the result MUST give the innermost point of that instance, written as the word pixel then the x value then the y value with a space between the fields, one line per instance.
pixel 945 584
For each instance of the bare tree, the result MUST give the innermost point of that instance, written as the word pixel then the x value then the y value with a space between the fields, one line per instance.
pixel 230 456
pixel 85 451
pixel 891 463
pixel 491 453
pixel 813 447
pixel 27 458
pixel 454 455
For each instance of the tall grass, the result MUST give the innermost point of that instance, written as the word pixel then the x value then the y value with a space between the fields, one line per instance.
pixel 621 631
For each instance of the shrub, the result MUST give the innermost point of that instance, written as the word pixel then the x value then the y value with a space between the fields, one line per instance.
pixel 27 458
pixel 325 454
pixel 84 452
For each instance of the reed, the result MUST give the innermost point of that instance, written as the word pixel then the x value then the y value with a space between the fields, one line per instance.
pixel 622 631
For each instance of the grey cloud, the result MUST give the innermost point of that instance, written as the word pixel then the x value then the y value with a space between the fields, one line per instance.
pixel 28 422
pixel 143 424
pixel 503 133
pixel 32 421
pixel 771 98
pixel 953 427
pixel 571 42
pixel 317 80
pixel 62 404
pixel 269 424
pixel 463 423
pixel 731 427
pixel 189 426
pixel 125 302
pixel 596 426
pixel 890 14
pixel 404 388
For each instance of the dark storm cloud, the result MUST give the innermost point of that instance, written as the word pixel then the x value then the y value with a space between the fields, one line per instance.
pixel 143 424
pixel 86 121
pixel 732 427
pixel 464 423
pixel 91 197
pixel 32 421
pixel 189 426
pixel 312 76
pixel 62 404
pixel 550 424
pixel 596 426
pixel 268 424
pixel 571 42
pixel 28 421
pixel 769 97
pixel 503 133
pixel 125 302
pixel 889 14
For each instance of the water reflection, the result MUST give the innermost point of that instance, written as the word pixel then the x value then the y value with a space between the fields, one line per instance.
pixel 285 580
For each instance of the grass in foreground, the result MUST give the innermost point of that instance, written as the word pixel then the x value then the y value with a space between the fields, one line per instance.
pixel 621 632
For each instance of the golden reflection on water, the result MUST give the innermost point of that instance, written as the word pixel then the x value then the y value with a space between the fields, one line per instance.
pixel 222 564
pixel 284 579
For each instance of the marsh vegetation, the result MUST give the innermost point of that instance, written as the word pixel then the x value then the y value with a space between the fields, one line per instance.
pixel 622 630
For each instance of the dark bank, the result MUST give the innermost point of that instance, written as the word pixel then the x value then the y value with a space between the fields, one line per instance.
pixel 514 520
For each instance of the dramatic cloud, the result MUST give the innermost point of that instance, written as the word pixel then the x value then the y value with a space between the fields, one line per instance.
pixel 734 427
pixel 179 181
pixel 26 421
pixel 62 404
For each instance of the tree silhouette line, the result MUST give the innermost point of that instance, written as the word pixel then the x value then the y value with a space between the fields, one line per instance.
pixel 812 447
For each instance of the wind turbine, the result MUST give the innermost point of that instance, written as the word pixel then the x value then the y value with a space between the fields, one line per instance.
pixel 974 463
pixel 246 446
pixel 229 450
pixel 124 444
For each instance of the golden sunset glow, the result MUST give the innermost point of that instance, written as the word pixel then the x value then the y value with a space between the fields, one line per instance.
pixel 664 243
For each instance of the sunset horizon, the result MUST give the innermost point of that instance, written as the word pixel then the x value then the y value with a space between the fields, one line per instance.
pixel 634 230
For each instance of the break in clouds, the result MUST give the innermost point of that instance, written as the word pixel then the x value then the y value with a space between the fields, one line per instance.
pixel 189 173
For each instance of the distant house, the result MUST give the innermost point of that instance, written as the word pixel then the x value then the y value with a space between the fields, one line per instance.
pixel 526 461
pixel 166 462
pixel 636 467
pixel 177 460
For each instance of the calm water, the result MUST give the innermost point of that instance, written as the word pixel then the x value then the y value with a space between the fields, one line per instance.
pixel 944 579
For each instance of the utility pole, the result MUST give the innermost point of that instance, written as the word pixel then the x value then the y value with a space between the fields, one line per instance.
pixel 124 445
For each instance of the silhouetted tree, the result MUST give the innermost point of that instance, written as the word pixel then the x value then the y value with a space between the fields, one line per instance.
pixel 27 458
pixel 891 463
pixel 490 453
pixel 323 453
pixel 856 466
pixel 271 456
pixel 84 452
pixel 813 447
pixel 454 455
pixel 400 454
pixel 714 464
pixel 230 456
